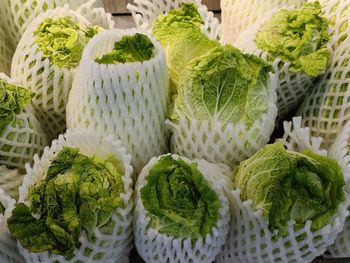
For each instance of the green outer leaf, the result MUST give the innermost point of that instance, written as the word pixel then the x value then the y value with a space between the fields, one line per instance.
pixel 299 36
pixel 179 200
pixel 288 185
pixel 135 48
pixel 63 40
pixel 13 100
pixel 78 193
pixel 224 85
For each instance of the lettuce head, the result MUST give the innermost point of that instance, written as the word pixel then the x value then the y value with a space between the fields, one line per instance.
pixel 63 40
pixel 76 194
pixel 13 100
pixel 288 185
pixel 224 85
pixel 299 36
pixel 179 200
pixel 135 48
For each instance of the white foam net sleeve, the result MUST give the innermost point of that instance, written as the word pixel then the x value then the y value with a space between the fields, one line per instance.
pixel 237 15
pixel 22 139
pixel 50 83
pixel 292 86
pixel 10 180
pixel 146 12
pixel 156 247
pixel 128 100
pixel 8 246
pixel 106 248
pixel 217 143
pixel 250 239
pixel 325 109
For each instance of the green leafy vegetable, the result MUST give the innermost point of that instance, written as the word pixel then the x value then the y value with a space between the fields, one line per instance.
pixel 299 36
pixel 288 185
pixel 78 193
pixel 63 40
pixel 135 48
pixel 13 100
pixel 179 199
pixel 224 85
pixel 180 35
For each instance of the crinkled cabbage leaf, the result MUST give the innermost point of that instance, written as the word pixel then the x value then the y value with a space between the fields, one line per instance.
pixel 13 100
pixel 63 40
pixel 77 193
pixel 224 85
pixel 135 48
pixel 299 36
pixel 179 199
pixel 287 185
pixel 180 35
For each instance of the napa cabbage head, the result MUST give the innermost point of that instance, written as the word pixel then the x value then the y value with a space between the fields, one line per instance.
pixel 179 200
pixel 287 185
pixel 76 194
pixel 63 40
pixel 134 48
pixel 299 36
pixel 180 34
pixel 225 86
pixel 13 100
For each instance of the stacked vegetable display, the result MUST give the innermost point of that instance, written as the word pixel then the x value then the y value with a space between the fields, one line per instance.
pixel 161 137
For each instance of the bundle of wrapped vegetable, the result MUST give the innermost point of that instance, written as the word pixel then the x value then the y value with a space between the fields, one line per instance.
pixel 287 205
pixel 126 93
pixel 296 43
pixel 46 59
pixel 21 135
pixel 75 203
pixel 325 109
pixel 239 15
pixel 8 246
pixel 181 213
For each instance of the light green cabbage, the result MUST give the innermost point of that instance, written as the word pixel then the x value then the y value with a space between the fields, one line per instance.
pixel 224 85
pixel 77 193
pixel 179 200
pixel 180 35
pixel 63 40
pixel 13 100
pixel 135 48
pixel 299 36
pixel 287 185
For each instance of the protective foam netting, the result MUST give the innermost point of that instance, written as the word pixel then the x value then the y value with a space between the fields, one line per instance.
pixel 325 109
pixel 10 180
pixel 146 12
pixel 50 82
pixel 218 143
pixel 6 52
pixel 340 150
pixel 128 100
pixel 8 246
pixel 292 86
pixel 105 248
pixel 250 239
pixel 22 139
pixel 156 247
pixel 238 15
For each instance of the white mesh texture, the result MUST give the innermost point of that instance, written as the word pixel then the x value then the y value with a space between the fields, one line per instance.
pixel 50 82
pixel 325 109
pixel 146 12
pixel 156 247
pixel 210 140
pixel 21 139
pixel 8 246
pixel 250 239
pixel 128 100
pixel 10 180
pixel 292 87
pixel 238 15
pixel 106 248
